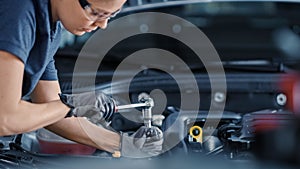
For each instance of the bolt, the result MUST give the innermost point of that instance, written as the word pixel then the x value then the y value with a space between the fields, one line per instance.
pixel 219 97
pixel 281 99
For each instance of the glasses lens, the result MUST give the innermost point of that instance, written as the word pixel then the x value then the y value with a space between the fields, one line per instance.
pixel 93 15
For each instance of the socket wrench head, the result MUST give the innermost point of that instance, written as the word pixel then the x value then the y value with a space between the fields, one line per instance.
pixel 145 98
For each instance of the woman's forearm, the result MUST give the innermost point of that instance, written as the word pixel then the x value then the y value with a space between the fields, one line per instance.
pixel 80 130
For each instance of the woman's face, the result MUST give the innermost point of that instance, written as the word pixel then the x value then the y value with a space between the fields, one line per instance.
pixel 78 20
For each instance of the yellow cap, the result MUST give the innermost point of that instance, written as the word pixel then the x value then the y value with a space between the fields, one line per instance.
pixel 197 136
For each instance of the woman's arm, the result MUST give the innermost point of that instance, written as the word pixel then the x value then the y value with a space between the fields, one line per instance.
pixel 16 115
pixel 77 129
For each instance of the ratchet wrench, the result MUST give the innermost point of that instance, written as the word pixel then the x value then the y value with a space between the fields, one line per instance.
pixel 146 103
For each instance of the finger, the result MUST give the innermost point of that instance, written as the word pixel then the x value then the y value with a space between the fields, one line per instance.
pixel 155 138
pixel 141 132
pixel 110 110
pixel 153 145
pixel 106 113
pixel 152 149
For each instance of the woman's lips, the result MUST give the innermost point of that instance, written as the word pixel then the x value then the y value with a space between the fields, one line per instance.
pixel 87 30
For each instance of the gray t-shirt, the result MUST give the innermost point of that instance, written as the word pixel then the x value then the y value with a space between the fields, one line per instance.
pixel 27 31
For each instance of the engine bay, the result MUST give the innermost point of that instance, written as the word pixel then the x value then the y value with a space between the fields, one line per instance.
pixel 252 130
pixel 244 117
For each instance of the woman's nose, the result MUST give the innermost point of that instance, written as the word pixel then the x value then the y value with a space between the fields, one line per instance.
pixel 101 24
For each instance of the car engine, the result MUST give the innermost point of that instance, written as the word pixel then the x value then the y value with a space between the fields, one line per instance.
pixel 249 120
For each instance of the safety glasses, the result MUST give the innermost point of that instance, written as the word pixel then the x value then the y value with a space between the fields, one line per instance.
pixel 96 15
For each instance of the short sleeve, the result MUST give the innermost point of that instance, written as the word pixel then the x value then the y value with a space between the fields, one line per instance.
pixel 17 27
pixel 50 72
